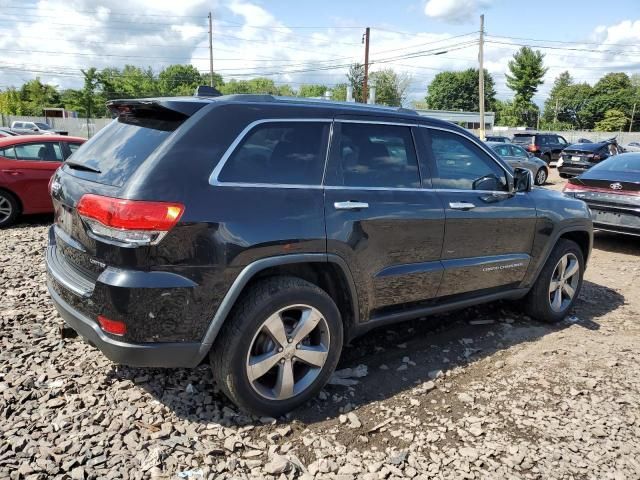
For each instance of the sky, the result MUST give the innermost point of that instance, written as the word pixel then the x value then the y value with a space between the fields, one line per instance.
pixel 299 42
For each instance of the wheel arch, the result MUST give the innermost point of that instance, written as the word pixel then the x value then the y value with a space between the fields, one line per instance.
pixel 14 195
pixel 330 272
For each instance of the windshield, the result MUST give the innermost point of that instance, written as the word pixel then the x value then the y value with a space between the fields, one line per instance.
pixel 42 126
pixel 628 163
pixel 117 151
pixel 522 138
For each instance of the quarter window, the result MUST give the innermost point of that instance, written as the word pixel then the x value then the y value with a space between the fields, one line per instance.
pixel 8 152
pixel 459 164
pixel 288 153
pixel 371 155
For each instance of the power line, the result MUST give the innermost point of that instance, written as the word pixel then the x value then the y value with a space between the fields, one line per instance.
pixel 567 42
pixel 590 50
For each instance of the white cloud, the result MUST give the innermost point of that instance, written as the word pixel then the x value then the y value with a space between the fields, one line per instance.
pixel 249 40
pixel 455 11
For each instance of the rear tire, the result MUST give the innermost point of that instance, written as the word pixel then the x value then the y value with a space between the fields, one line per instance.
pixel 557 287
pixel 564 175
pixel 278 347
pixel 9 209
pixel 541 176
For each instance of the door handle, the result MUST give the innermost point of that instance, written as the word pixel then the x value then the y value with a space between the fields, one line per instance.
pixel 461 205
pixel 12 172
pixel 350 205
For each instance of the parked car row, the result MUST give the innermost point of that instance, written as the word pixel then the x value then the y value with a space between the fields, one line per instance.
pixel 26 165
pixel 516 156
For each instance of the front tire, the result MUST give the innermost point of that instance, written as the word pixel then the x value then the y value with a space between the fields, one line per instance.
pixel 278 347
pixel 9 209
pixel 558 285
pixel 541 176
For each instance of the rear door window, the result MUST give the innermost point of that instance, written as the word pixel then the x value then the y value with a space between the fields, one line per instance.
pixel 502 150
pixel 39 151
pixel 117 150
pixel 371 155
pixel 284 153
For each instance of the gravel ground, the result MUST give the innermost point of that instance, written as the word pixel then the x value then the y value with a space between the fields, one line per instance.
pixel 480 393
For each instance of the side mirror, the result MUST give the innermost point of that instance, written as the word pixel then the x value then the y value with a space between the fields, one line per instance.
pixel 488 182
pixel 522 180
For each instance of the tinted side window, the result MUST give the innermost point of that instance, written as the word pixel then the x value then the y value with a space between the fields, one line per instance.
pixel 502 150
pixel 459 164
pixel 45 151
pixel 518 151
pixel 370 155
pixel 290 153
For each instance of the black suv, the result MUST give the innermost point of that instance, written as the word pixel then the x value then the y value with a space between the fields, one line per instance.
pixel 580 157
pixel 263 233
pixel 546 146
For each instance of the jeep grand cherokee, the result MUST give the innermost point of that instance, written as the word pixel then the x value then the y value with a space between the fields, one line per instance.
pixel 263 233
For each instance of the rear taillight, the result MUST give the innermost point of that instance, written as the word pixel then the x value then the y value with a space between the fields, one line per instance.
pixel 134 222
pixel 114 327
pixel 570 187
pixel 533 148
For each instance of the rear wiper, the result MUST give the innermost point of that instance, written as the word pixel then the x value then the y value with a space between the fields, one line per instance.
pixel 80 166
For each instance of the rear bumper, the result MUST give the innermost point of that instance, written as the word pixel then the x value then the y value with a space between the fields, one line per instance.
pixel 79 300
pixel 133 354
pixel 573 171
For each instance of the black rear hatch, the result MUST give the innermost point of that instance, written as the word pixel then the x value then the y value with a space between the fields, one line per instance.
pixel 102 166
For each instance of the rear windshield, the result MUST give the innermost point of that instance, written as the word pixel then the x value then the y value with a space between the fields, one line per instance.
pixel 522 138
pixel 119 149
pixel 627 163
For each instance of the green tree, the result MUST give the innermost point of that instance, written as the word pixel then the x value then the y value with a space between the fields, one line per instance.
pixel 614 91
pixel 339 92
pixel 527 71
pixel 391 88
pixel 11 103
pixel 460 91
pixel 312 90
pixel 286 91
pixel 613 121
pixel 130 82
pixel 555 100
pixel 36 95
pixel 355 78
pixel 182 80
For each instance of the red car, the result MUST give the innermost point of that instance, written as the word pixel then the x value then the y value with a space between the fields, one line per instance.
pixel 27 163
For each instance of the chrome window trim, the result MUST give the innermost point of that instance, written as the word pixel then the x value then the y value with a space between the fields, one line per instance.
pixel 377 122
pixel 213 178
pixel 475 142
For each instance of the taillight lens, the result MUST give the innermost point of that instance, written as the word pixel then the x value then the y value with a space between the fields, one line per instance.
pixel 570 187
pixel 136 222
pixel 532 148
pixel 114 327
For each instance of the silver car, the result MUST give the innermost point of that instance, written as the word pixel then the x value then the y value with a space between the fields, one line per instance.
pixel 517 156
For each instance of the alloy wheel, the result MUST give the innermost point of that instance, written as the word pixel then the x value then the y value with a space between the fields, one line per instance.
pixel 541 177
pixel 5 208
pixel 564 282
pixel 288 352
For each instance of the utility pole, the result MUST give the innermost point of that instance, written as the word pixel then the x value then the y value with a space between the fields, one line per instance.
pixel 210 50
pixel 365 39
pixel 633 112
pixel 481 78
pixel 555 115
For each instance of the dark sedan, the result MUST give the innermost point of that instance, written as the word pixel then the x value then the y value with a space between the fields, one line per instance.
pixel 612 191
pixel 579 157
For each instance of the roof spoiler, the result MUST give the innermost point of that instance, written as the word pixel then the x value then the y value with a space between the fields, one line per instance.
pixel 206 91
pixel 168 108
